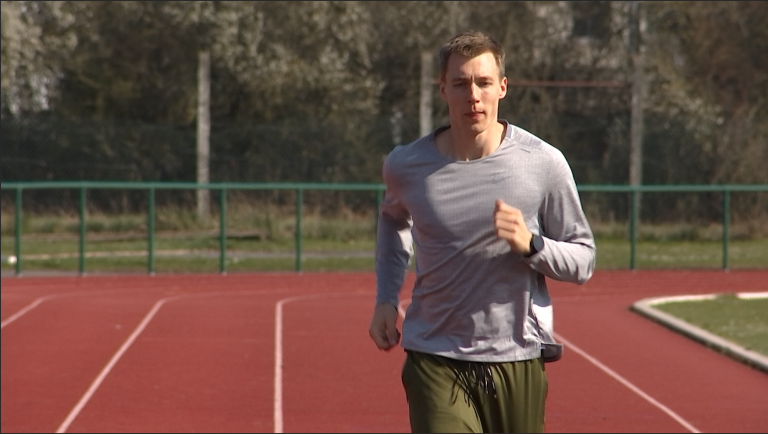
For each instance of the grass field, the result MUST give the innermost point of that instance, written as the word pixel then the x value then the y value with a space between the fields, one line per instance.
pixel 262 238
pixel 189 252
pixel 743 321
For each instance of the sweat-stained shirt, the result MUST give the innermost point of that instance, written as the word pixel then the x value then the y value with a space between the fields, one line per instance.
pixel 473 297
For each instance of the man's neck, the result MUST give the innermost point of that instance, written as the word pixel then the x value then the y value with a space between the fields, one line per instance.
pixel 463 145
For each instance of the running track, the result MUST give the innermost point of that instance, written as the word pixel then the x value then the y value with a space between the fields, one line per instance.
pixel 291 353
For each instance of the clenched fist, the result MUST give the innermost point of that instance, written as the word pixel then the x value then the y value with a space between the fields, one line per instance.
pixel 510 225
pixel 383 329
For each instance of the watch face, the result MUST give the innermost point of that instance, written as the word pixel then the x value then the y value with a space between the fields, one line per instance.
pixel 538 242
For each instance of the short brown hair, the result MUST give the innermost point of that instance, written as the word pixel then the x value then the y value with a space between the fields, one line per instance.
pixel 471 43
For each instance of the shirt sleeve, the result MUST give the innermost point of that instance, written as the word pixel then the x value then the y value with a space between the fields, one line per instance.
pixel 394 242
pixel 569 246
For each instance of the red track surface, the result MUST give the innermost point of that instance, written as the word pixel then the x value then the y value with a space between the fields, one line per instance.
pixel 198 355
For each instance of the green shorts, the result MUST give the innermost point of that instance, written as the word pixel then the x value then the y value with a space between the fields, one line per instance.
pixel 447 395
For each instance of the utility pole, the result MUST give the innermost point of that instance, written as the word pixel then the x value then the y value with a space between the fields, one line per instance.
pixel 203 132
pixel 425 106
pixel 639 88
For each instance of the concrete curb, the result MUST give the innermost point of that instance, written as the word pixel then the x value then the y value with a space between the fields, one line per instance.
pixel 645 308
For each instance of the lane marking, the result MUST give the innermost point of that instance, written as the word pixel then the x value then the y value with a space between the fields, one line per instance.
pixel 277 401
pixel 23 311
pixel 40 300
pixel 104 372
pixel 139 329
pixel 627 384
pixel 278 383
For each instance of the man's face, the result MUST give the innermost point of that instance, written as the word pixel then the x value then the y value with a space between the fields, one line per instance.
pixel 472 89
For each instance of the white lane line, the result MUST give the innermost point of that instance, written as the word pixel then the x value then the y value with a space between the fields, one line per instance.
pixel 628 384
pixel 277 414
pixel 40 300
pixel 104 372
pixel 23 311
pixel 278 397
pixel 139 329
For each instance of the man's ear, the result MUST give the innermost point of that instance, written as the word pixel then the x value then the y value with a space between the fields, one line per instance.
pixel 441 84
pixel 503 88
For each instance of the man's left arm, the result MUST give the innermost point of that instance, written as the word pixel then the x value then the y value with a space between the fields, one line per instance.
pixel 568 252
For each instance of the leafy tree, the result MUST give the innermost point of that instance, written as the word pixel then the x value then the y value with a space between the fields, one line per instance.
pixel 322 90
pixel 711 60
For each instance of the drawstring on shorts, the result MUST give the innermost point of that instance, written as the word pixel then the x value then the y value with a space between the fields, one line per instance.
pixel 473 375
pixel 483 377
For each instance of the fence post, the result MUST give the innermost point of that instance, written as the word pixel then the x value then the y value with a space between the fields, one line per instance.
pixel 81 266
pixel 151 231
pixel 726 225
pixel 223 231
pixel 633 229
pixel 17 230
pixel 299 201
pixel 379 199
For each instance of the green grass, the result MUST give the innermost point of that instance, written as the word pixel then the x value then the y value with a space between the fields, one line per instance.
pixel 191 250
pixel 743 321
pixel 345 241
pixel 680 254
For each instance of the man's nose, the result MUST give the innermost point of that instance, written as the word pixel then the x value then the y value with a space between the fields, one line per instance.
pixel 474 92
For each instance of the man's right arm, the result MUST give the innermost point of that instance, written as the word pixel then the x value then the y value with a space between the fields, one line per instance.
pixel 394 249
pixel 393 253
pixel 394 242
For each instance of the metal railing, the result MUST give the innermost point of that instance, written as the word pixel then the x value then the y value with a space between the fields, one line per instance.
pixel 299 188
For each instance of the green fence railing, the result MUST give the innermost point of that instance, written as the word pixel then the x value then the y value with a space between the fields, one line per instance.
pixel 299 188
pixel 634 216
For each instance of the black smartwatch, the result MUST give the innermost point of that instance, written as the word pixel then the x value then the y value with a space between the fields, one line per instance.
pixel 537 244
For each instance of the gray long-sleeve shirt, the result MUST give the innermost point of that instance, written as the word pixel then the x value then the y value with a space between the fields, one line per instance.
pixel 474 298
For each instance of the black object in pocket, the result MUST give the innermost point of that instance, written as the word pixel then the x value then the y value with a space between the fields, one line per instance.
pixel 551 352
